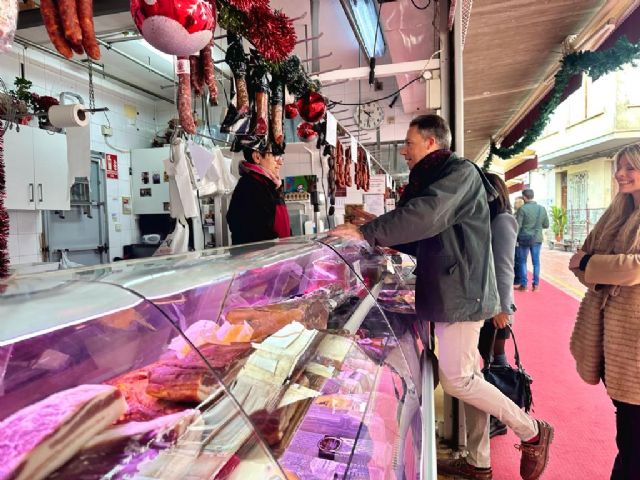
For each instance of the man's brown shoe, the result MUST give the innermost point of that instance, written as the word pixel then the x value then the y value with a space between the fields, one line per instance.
pixel 534 288
pixel 535 456
pixel 521 288
pixel 461 469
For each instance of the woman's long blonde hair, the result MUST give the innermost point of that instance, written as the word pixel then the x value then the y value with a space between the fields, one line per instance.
pixel 621 219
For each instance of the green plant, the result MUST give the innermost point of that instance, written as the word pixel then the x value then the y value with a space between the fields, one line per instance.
pixel 22 91
pixel 558 220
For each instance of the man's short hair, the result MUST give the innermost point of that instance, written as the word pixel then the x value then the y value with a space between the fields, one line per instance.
pixel 433 126
pixel 528 194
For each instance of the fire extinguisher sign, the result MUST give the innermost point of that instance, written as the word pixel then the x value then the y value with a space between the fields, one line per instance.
pixel 111 161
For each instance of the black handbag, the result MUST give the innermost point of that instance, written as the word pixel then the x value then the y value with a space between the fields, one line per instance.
pixel 515 383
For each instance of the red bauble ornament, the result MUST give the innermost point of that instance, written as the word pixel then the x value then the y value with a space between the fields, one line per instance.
pixel 306 132
pixel 291 111
pixel 312 107
pixel 176 27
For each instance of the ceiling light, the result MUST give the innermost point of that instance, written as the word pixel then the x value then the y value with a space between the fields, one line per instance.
pixel 364 19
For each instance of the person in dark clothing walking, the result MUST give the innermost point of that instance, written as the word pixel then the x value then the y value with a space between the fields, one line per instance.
pixel 532 219
pixel 443 220
pixel 257 211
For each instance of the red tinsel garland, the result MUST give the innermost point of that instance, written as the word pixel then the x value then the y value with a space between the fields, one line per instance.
pixel 246 5
pixel 4 218
pixel 272 33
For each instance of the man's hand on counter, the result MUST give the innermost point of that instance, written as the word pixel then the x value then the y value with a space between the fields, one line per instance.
pixel 347 230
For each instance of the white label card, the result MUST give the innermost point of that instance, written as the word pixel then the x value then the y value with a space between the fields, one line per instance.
pixel 332 130
pixel 354 150
pixel 183 66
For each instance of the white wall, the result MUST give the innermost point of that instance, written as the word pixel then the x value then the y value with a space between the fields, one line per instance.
pixel 132 117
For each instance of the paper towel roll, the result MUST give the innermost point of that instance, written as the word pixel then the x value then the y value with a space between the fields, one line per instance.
pixel 63 116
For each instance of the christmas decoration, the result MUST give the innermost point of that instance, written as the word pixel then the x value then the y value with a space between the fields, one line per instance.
pixel 245 5
pixel 306 132
pixel 296 79
pixel 176 27
pixel 272 33
pixel 291 111
pixel 4 218
pixel 312 107
pixel 594 64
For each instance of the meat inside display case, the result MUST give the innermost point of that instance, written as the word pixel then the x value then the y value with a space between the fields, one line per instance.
pixel 269 361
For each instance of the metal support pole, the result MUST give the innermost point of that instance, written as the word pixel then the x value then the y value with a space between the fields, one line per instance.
pixel 315 32
pixel 458 79
pixel 429 463
pixel 29 44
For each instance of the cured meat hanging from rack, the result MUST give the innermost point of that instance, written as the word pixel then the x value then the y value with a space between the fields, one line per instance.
pixel 69 24
pixel 238 116
pixel 85 17
pixel 8 24
pixel 348 179
pixel 259 92
pixel 196 75
pixel 208 71
pixel 184 96
pixel 340 166
pixel 53 25
pixel 277 113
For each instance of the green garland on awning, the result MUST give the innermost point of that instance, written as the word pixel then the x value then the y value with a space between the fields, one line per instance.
pixel 594 64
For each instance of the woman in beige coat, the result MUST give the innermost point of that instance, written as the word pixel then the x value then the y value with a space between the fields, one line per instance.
pixel 606 338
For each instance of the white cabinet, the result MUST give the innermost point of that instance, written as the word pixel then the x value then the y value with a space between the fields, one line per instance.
pixel 51 170
pixel 36 170
pixel 18 161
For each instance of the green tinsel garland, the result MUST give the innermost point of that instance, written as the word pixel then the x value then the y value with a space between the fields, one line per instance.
pixel 594 64
pixel 231 19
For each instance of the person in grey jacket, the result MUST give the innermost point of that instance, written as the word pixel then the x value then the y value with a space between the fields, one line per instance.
pixel 443 219
pixel 504 230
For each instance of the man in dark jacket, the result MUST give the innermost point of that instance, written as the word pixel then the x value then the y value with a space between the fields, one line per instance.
pixel 443 220
pixel 532 218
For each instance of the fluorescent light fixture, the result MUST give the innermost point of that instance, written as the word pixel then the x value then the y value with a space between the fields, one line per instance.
pixel 164 56
pixel 363 17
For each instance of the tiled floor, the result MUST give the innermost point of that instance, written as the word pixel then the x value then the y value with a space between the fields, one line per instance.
pixel 554 269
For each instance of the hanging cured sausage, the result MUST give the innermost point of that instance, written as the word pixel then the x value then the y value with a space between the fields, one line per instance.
pixel 69 24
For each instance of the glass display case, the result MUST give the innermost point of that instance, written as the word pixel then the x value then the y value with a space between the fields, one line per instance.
pixel 268 361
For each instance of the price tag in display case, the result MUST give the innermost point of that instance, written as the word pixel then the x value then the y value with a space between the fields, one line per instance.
pixel 111 167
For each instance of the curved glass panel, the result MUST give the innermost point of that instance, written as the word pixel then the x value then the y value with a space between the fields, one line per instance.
pixel 296 339
pixel 95 382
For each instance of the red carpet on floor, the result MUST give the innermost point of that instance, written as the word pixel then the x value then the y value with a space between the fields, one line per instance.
pixel 583 415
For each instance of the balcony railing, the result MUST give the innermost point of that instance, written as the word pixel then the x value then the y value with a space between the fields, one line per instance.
pixel 580 222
